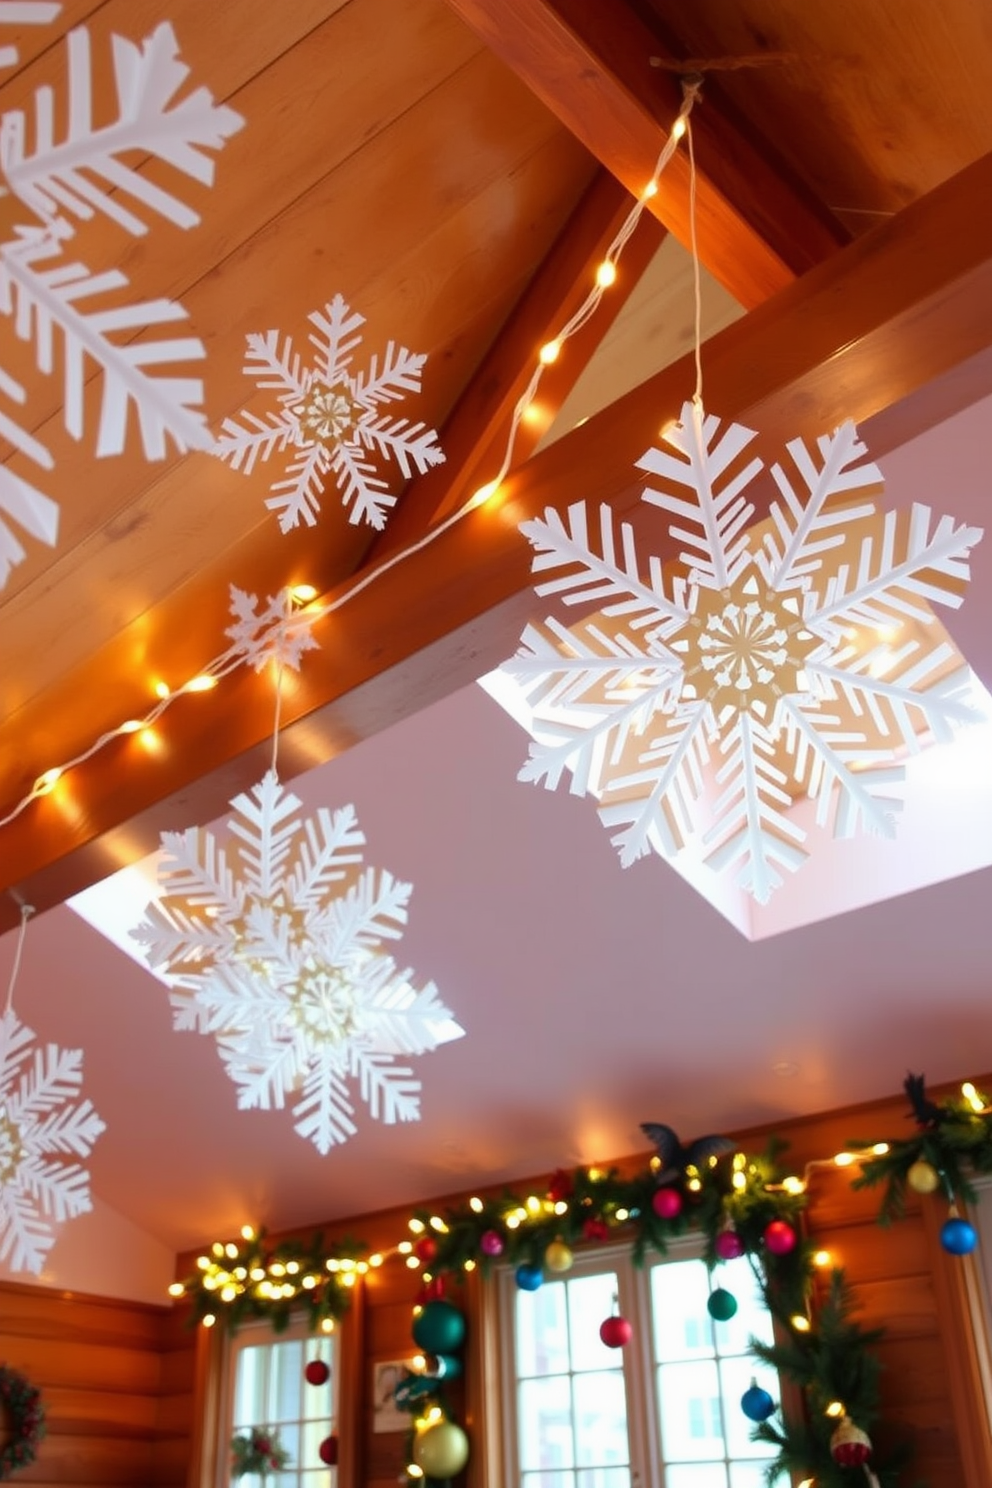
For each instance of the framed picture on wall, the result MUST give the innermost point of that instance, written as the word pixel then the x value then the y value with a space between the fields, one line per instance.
pixel 386 1375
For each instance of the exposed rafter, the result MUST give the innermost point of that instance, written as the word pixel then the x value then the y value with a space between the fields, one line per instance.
pixel 908 304
pixel 593 67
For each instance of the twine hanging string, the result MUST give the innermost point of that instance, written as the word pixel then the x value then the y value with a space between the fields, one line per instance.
pixel 235 656
pixel 27 910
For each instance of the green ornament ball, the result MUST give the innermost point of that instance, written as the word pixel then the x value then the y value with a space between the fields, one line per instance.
pixel 439 1328
pixel 721 1305
pixel 441 1451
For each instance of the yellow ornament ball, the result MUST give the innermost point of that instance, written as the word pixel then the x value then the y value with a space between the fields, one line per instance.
pixel 923 1177
pixel 558 1256
pixel 441 1451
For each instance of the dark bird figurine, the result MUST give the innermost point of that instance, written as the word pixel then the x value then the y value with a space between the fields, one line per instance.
pixel 675 1158
pixel 925 1112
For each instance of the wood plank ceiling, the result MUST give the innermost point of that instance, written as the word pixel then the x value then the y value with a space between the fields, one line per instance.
pixel 451 169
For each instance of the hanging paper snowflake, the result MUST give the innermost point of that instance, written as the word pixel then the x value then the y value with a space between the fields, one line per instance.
pixel 60 183
pixel 279 632
pixel 280 957
pixel 797 652
pixel 330 420
pixel 40 1125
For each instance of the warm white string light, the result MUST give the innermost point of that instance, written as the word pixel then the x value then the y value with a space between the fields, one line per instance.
pixel 228 661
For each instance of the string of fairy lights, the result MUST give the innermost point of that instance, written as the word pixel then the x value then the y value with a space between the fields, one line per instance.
pixel 301 599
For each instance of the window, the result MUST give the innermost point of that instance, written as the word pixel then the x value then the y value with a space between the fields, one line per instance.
pixel 266 1386
pixel 664 1412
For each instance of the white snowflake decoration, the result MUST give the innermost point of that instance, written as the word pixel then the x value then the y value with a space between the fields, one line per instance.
pixel 48 296
pixel 330 420
pixel 280 957
pixel 41 1124
pixel 278 633
pixel 768 648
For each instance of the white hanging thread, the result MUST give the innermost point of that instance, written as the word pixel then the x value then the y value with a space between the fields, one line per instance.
pixel 27 910
pixel 230 660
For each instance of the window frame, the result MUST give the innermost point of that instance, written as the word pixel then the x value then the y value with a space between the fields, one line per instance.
pixel 647 1468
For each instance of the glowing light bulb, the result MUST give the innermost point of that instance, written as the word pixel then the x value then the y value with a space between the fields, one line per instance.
pixel 48 781
pixel 413 1471
pixel 800 1323
pixel 834 1409
pixel 822 1258
pixel 549 352
pixel 476 1205
pixel 327 1325
pixel 416 1226
pixel 162 690
pixel 302 593
pixel 130 726
pixel 247 1232
pixel 375 1260
pixel 203 683
pixel 793 1185
pixel 469 1265
pixel 972 1096
pixel 606 274
pixel 208 1320
pixel 880 1149
pixel 739 1180
pixel 404 1247
pixel 412 1261
pixel 650 190
pixel 176 1289
pixel 679 128
pixel 438 1224
pixel 844 1159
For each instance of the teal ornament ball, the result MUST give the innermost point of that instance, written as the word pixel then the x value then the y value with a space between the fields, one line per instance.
pixel 958 1237
pixel 528 1278
pixel 757 1404
pixel 721 1305
pixel 439 1328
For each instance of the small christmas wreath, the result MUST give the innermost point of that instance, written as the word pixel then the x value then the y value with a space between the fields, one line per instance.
pixel 21 1402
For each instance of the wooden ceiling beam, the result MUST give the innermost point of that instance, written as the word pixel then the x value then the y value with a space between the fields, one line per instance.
pixel 597 69
pixel 474 436
pixel 881 323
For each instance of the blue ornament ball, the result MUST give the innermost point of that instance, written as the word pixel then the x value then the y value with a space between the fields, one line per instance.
pixel 528 1278
pixel 958 1237
pixel 757 1404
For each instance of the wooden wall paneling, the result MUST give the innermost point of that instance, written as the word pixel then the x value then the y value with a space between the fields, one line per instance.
pixel 964 1329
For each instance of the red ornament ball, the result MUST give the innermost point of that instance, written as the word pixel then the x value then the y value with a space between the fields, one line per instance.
pixel 328 1451
pixel 595 1229
pixel 425 1249
pixel 849 1445
pixel 667 1203
pixel 729 1245
pixel 316 1372
pixel 780 1237
pixel 615 1332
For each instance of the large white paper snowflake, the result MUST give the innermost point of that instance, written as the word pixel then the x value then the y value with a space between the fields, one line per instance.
pixel 280 957
pixel 82 320
pixel 330 420
pixel 790 658
pixel 41 1124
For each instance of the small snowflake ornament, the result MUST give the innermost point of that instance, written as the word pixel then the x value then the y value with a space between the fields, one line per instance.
pixel 60 180
pixel 280 956
pixel 700 699
pixel 279 632
pixel 42 1123
pixel 330 420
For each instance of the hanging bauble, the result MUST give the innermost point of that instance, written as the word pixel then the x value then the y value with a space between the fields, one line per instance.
pixel 756 1403
pixel 439 1328
pixel 595 1229
pixel 528 1278
pixel 441 1366
pixel 441 1451
pixel 561 1188
pixel 328 1451
pixel 780 1237
pixel 425 1249
pixel 491 1243
pixel 615 1332
pixel 849 1445
pixel 667 1203
pixel 923 1177
pixel 728 1245
pixel 413 1387
pixel 558 1256
pixel 316 1372
pixel 721 1305
pixel 958 1237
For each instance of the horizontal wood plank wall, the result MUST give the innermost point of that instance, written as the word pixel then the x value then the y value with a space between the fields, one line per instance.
pixel 894 1273
pixel 98 1363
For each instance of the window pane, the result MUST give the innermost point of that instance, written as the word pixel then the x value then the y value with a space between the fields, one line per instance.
pixel 542 1331
pixel 590 1300
pixel 604 1477
pixel 752 1475
pixel 702 1475
pixel 285 1381
pixel 751 1320
pixel 547 1480
pixel 683 1330
pixel 600 1420
pixel 689 1408
pixel 545 1423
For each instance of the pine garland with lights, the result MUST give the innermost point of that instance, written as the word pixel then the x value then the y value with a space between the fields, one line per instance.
pixel 247 1279
pixel 953 1142
pixel 20 1401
